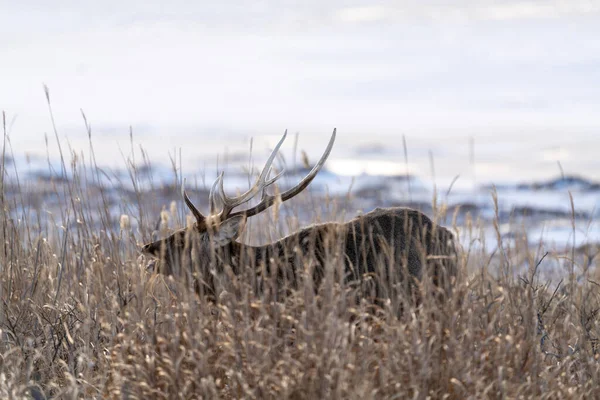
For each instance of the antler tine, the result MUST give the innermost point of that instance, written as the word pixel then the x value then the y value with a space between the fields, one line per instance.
pixel 211 196
pixel 269 183
pixel 191 206
pixel 273 179
pixel 229 203
pixel 268 199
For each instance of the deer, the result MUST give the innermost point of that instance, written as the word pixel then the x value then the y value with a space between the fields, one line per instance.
pixel 383 253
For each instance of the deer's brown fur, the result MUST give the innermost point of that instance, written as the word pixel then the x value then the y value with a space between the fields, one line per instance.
pixel 378 251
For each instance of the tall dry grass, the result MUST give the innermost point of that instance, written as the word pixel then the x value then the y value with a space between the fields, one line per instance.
pixel 80 317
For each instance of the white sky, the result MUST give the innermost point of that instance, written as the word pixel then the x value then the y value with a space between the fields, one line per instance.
pixel 200 72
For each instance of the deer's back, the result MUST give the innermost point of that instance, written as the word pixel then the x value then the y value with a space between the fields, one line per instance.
pixel 385 241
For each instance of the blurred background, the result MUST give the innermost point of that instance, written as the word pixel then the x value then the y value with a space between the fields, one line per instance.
pixel 477 92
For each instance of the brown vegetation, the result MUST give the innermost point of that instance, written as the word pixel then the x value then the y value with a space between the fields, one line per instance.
pixel 80 317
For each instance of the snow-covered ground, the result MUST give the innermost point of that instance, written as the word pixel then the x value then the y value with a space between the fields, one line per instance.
pixel 545 209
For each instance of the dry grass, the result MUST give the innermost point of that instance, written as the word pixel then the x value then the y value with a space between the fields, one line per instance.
pixel 81 318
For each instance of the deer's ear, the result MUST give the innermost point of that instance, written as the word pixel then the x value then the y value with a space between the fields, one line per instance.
pixel 228 231
pixel 152 248
pixel 155 248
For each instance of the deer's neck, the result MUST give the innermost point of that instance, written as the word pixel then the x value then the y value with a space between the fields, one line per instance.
pixel 240 254
pixel 308 241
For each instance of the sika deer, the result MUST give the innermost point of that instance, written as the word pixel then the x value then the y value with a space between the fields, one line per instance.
pixel 373 251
